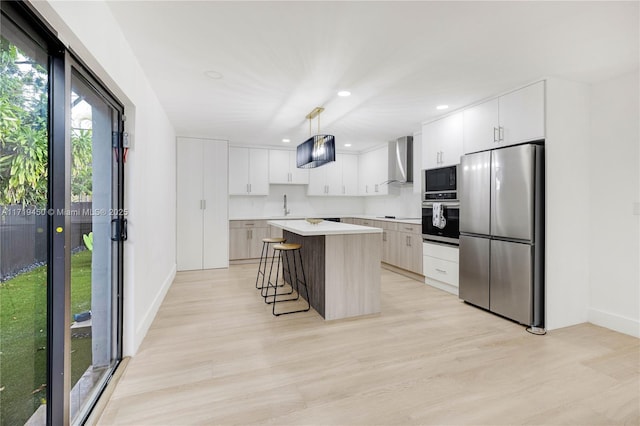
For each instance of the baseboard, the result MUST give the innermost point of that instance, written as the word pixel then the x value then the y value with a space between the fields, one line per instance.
pixel 404 272
pixel 149 316
pixel 442 286
pixel 614 322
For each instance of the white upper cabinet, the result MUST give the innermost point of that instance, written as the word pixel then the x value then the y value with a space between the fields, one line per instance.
pixel 336 178
pixel 248 171
pixel 283 168
pixel 373 172
pixel 522 115
pixel 442 142
pixel 510 119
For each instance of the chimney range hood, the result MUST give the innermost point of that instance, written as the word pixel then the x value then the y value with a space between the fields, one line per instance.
pixel 401 160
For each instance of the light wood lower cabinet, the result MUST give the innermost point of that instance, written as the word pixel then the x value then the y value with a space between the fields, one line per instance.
pixel 245 238
pixel 401 242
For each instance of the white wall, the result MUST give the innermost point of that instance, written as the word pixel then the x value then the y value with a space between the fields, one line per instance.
pixel 297 202
pixel 614 237
pixel 567 203
pixel 404 204
pixel 150 182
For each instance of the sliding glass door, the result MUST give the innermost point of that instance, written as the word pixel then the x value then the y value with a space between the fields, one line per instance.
pixel 62 227
pixel 95 206
pixel 24 105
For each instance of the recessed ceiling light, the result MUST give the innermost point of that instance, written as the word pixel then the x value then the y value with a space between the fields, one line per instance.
pixel 441 107
pixel 347 145
pixel 344 93
pixel 286 140
pixel 214 75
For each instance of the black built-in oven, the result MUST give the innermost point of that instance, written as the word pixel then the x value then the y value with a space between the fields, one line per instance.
pixel 450 232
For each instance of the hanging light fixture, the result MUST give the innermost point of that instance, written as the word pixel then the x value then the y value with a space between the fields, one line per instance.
pixel 317 150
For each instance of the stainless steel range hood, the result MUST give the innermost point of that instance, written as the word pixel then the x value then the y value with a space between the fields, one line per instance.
pixel 401 160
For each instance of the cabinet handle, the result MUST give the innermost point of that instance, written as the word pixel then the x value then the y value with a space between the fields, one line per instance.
pixel 344 190
pixel 442 271
pixel 441 157
pixel 200 204
pixel 384 236
pixel 495 134
pixel 249 187
pixel 376 190
pixel 501 133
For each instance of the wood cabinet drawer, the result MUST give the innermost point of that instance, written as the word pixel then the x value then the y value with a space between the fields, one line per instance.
pixel 412 228
pixel 247 224
pixel 441 270
pixel 367 222
pixel 440 251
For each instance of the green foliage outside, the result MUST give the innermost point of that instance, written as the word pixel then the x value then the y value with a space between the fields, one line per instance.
pixel 23 134
pixel 23 355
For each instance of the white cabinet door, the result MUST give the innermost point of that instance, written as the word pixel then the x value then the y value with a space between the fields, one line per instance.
pixel 364 173
pixel 298 176
pixel 349 174
pixel 481 126
pixel 202 197
pixel 238 171
pixel 283 168
pixel 443 144
pixel 215 227
pixel 258 171
pixel 189 200
pixel 522 115
pixel 317 185
pixel 380 164
pixel 279 172
pixel 333 176
pixel 248 171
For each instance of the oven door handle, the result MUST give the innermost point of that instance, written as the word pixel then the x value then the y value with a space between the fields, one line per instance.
pixel 444 204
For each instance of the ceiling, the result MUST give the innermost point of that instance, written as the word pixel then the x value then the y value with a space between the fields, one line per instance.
pixel 279 60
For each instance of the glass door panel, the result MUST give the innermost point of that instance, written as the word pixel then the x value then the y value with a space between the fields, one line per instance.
pixel 24 102
pixel 94 277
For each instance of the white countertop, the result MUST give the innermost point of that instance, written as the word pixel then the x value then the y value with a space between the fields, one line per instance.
pixel 415 221
pixel 306 229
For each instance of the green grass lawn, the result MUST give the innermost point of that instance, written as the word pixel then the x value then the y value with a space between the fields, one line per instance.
pixel 23 338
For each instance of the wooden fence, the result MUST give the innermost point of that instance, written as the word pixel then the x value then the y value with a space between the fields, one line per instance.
pixel 23 236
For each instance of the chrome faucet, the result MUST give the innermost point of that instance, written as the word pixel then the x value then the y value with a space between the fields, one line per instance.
pixel 286 211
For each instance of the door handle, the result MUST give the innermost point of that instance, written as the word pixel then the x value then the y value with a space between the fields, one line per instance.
pixel 501 133
pixel 495 134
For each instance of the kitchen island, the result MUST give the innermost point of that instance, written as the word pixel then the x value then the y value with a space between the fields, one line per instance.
pixel 342 265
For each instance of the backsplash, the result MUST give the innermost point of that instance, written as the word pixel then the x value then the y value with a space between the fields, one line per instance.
pixel 405 204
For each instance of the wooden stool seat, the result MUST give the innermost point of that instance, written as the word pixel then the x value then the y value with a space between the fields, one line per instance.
pixel 288 246
pixel 274 240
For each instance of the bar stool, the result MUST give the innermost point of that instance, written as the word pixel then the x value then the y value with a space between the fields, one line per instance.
pixel 264 257
pixel 286 254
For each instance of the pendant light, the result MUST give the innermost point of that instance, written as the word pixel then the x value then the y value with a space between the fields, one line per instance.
pixel 319 149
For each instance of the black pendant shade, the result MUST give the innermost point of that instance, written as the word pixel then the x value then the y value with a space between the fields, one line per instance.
pixel 316 151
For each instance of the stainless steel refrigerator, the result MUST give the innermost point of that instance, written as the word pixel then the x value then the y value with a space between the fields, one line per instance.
pixel 502 232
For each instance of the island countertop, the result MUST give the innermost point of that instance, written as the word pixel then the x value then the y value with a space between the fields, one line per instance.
pixel 306 229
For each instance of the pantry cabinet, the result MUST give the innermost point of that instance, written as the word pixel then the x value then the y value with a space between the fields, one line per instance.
pixel 442 141
pixel 283 168
pixel 248 171
pixel 337 178
pixel 202 234
pixel 510 119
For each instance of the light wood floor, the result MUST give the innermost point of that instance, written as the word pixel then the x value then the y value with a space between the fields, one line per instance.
pixel 216 355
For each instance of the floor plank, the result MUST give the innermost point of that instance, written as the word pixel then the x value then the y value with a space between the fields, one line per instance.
pixel 216 355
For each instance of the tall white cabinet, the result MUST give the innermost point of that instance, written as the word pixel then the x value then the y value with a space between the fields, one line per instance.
pixel 202 212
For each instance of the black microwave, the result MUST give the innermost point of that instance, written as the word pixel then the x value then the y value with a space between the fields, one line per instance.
pixel 440 183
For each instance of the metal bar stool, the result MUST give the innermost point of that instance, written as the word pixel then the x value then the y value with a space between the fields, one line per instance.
pixel 286 254
pixel 264 257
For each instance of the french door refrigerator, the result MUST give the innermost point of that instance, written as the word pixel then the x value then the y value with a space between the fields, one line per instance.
pixel 502 232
